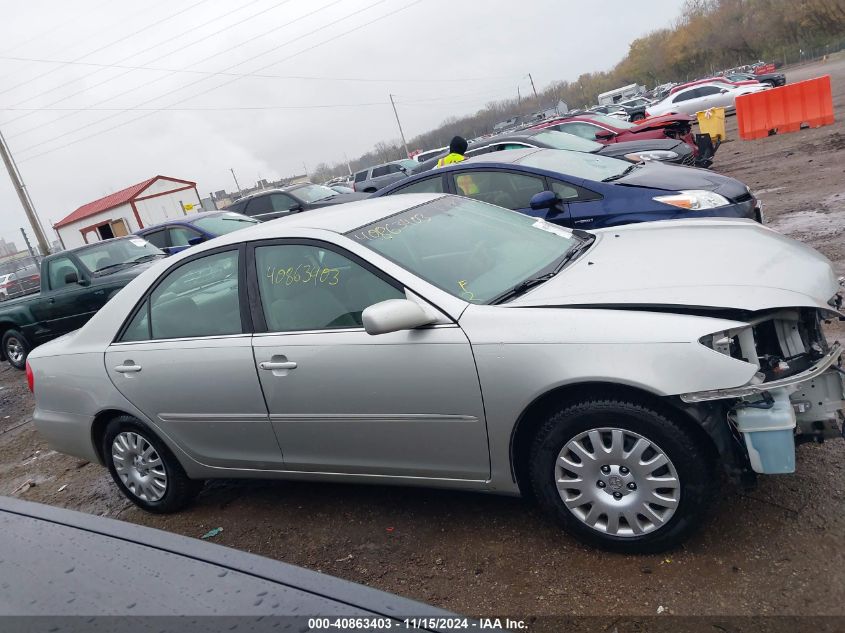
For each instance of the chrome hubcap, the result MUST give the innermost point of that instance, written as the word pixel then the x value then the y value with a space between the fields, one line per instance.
pixel 139 466
pixel 14 350
pixel 617 482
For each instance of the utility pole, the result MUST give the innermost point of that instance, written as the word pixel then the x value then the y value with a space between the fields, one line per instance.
pixel 532 85
pixel 401 133
pixel 23 195
pixel 232 169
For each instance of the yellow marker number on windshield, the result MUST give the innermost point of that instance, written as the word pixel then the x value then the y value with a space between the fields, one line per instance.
pixel 466 294
pixel 304 274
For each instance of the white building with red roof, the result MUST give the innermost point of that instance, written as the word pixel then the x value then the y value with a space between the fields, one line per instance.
pixel 125 211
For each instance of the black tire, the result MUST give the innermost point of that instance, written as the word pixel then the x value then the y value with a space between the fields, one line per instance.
pixel 692 463
pixel 180 490
pixel 16 348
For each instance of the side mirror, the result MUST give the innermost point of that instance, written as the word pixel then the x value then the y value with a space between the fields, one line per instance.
pixel 394 315
pixel 544 200
pixel 402 169
pixel 605 135
pixel 71 278
pixel 724 91
pixel 295 209
pixel 193 241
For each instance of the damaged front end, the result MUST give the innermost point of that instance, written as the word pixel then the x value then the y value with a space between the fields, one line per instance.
pixel 795 396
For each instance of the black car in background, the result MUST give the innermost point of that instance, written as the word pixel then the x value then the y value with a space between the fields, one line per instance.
pixel 275 203
pixel 671 151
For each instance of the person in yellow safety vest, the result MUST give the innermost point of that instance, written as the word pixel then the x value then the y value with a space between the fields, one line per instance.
pixel 457 146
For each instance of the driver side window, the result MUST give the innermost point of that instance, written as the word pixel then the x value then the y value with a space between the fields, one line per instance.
pixel 59 268
pixel 306 287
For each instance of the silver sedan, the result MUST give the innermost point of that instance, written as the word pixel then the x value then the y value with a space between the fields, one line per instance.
pixel 440 341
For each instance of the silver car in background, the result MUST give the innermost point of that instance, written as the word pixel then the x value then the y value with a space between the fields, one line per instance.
pixel 441 341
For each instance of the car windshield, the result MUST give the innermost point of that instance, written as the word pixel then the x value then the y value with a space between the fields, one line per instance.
pixel 223 223
pixel 113 254
pixel 470 249
pixel 610 121
pixel 564 140
pixel 576 164
pixel 312 193
pixel 407 163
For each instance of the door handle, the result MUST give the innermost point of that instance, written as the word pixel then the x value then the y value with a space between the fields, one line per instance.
pixel 272 366
pixel 128 368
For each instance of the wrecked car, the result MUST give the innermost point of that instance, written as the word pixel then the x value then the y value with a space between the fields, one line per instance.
pixel 434 340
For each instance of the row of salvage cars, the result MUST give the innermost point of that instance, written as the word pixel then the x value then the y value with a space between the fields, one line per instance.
pixel 430 339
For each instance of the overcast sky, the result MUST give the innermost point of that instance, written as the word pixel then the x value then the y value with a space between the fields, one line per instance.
pixel 98 95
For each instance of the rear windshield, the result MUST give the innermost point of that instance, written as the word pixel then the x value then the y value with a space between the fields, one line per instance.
pixel 564 140
pixel 575 164
pixel 223 223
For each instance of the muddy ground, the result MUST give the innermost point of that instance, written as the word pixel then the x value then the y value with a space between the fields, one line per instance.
pixel 778 549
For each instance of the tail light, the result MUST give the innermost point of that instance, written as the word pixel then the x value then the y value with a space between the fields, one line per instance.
pixel 30 377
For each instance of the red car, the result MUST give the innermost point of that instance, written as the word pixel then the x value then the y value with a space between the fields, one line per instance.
pixel 606 129
pixel 724 80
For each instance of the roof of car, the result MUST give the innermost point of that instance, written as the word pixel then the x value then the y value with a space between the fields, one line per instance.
pixel 508 158
pixel 188 219
pixel 340 218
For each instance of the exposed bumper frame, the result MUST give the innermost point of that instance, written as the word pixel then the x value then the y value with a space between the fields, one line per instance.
pixel 820 367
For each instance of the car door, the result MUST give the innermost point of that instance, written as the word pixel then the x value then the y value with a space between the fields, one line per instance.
pixel 712 97
pixel 68 305
pixel 686 101
pixel 511 190
pixel 185 360
pixel 406 403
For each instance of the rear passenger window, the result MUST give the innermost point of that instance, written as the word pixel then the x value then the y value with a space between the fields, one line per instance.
pixel 157 238
pixel 429 185
pixel 381 171
pixel 199 298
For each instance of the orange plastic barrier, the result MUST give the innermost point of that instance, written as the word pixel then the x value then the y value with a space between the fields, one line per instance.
pixel 785 109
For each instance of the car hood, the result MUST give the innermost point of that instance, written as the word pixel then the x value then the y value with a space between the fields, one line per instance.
pixel 626 147
pixel 657 175
pixel 691 264
pixel 338 199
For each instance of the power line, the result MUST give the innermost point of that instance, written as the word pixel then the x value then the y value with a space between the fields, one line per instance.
pixel 105 46
pixel 146 86
pixel 256 75
pixel 43 34
pixel 322 27
pixel 141 52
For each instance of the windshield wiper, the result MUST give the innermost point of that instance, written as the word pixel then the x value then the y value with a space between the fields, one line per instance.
pixel 625 172
pixel 146 258
pixel 111 266
pixel 131 262
pixel 524 286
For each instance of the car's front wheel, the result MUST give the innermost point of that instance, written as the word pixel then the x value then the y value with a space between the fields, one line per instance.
pixel 144 468
pixel 621 476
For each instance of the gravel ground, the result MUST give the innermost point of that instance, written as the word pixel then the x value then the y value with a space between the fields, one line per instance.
pixel 774 550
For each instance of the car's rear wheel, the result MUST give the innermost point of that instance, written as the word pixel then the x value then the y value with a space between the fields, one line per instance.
pixel 144 468
pixel 16 348
pixel 621 476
